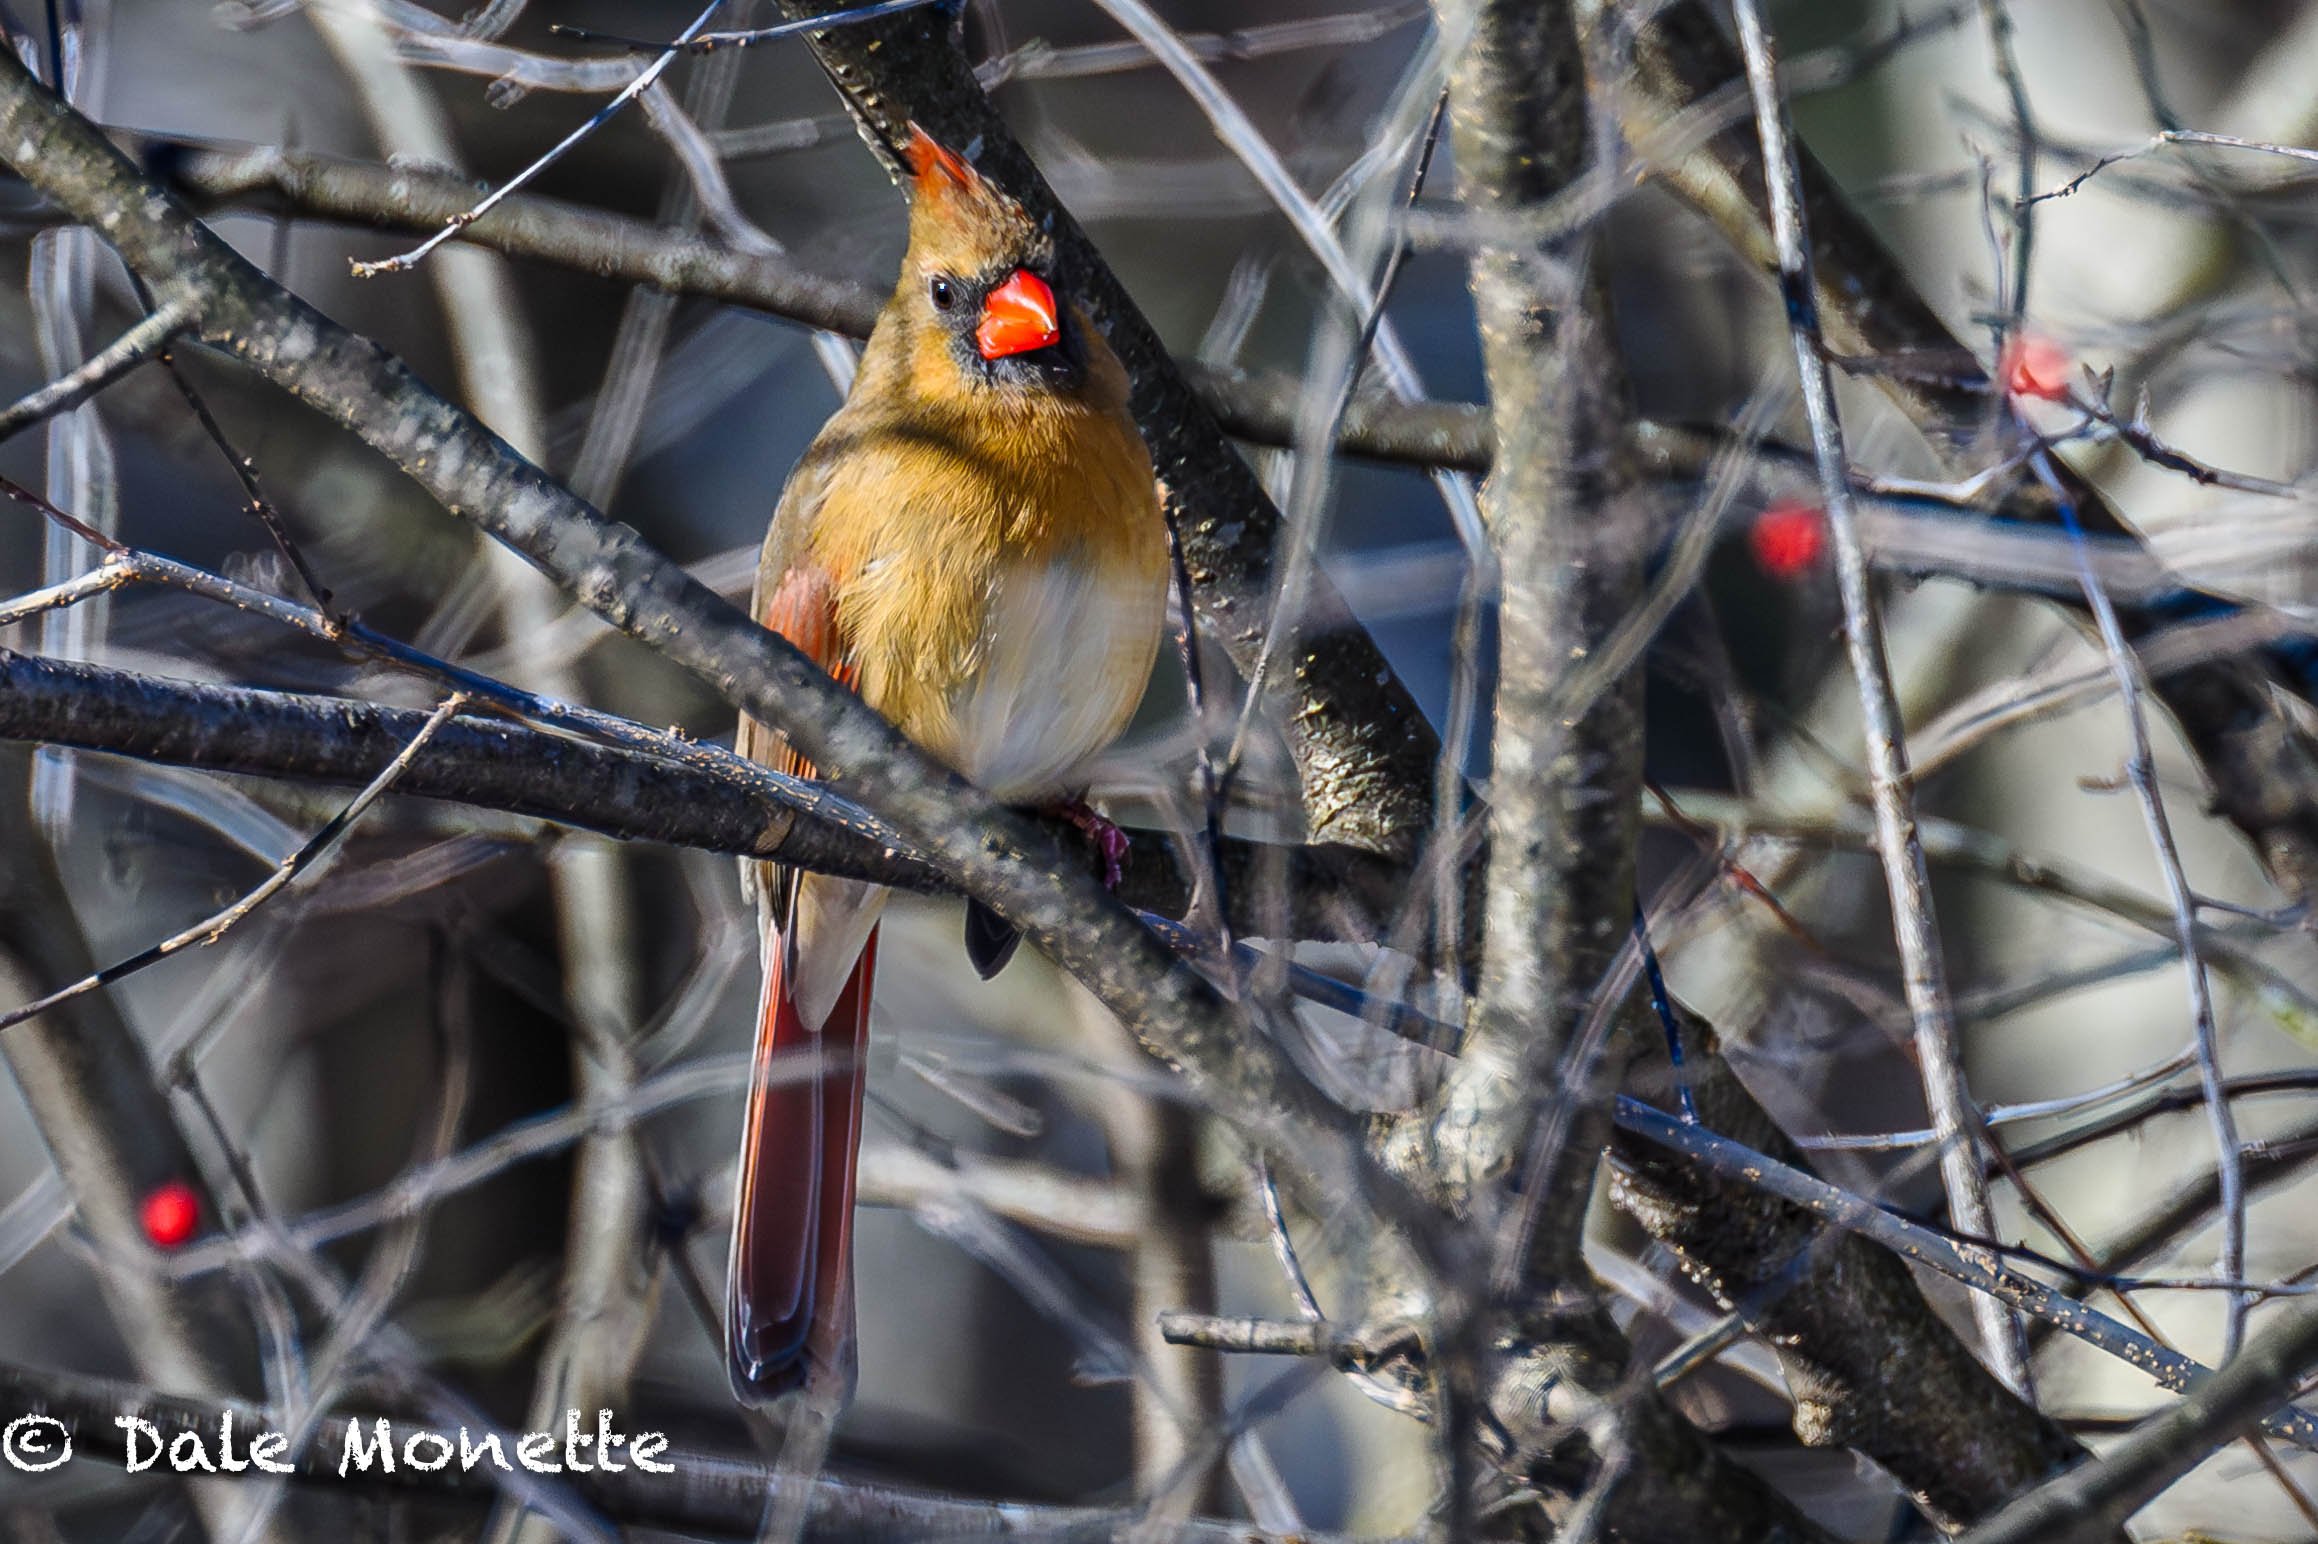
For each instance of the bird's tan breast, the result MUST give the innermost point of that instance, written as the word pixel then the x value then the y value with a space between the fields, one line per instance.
pixel 1001 587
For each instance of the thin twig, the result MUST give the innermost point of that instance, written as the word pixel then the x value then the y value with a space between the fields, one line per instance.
pixel 2141 772
pixel 245 472
pixel 1935 1251
pixel 1997 16
pixel 1923 974
pixel 212 928
pixel 2159 141
pixel 140 343
pixel 102 579
pixel 626 94
pixel 1256 1336
pixel 694 42
pixel 2090 1502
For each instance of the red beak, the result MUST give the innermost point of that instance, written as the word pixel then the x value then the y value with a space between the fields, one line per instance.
pixel 1018 316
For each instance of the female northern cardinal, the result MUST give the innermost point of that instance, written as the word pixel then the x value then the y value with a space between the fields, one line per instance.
pixel 973 543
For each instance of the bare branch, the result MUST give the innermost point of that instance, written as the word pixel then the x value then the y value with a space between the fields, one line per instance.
pixel 1938 1252
pixel 1872 1366
pixel 1571 541
pixel 631 794
pixel 266 179
pixel 2092 1501
pixel 140 343
pixel 634 88
pixel 210 929
pixel 1923 972
pixel 1530 1094
pixel 2159 141
pixel 2141 772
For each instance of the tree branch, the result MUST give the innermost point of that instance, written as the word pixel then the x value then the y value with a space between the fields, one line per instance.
pixel 144 341
pixel 1907 878
pixel 216 177
pixel 2091 1502
pixel 1571 540
pixel 1939 1252
pixel 494 764
pixel 1870 1364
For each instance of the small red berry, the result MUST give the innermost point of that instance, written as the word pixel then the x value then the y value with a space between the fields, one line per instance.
pixel 2036 366
pixel 1789 539
pixel 170 1212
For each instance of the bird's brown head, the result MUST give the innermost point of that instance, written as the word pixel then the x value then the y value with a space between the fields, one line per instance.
pixel 979 289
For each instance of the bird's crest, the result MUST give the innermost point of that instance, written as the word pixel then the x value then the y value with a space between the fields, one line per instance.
pixel 934 169
pixel 959 220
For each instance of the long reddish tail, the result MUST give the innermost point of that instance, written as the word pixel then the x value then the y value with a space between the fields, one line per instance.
pixel 789 1303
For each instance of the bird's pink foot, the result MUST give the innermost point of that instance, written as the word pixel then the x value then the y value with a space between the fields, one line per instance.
pixel 1106 839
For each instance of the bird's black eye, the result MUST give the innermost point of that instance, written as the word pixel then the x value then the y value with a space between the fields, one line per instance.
pixel 944 291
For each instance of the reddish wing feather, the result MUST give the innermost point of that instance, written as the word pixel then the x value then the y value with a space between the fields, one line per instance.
pixel 789 1301
pixel 802 609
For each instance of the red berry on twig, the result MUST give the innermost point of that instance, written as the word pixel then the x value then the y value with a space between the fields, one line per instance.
pixel 2036 366
pixel 1789 538
pixel 170 1212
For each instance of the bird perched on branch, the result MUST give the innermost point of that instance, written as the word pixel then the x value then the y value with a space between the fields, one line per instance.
pixel 974 544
